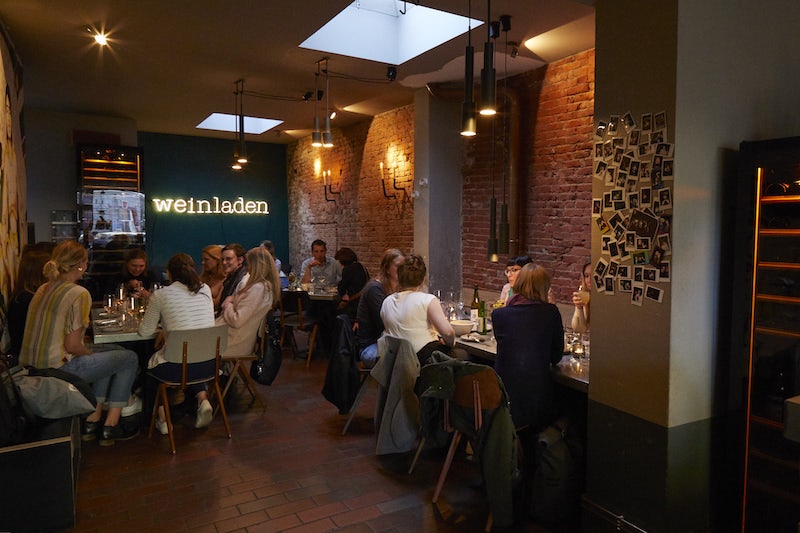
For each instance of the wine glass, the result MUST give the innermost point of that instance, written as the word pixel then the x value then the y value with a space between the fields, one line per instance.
pixel 132 306
pixel 109 304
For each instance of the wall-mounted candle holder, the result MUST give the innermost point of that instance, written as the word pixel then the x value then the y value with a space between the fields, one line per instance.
pixel 328 185
pixel 393 172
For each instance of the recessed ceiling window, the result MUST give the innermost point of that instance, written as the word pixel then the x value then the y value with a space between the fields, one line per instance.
pixel 226 122
pixel 378 30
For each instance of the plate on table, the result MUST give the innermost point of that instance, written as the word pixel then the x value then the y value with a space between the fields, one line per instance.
pixel 111 328
pixel 471 337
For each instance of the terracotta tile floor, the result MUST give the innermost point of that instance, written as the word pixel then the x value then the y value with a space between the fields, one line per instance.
pixel 287 468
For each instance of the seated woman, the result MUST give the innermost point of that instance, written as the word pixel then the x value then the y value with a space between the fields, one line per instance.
pixel 354 277
pixel 213 275
pixel 57 319
pixel 368 314
pixel 530 337
pixel 29 279
pixel 581 316
pixel 244 311
pixel 513 266
pixel 184 304
pixel 415 315
pixel 135 275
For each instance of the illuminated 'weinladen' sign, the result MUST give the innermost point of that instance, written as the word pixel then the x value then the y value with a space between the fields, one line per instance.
pixel 214 206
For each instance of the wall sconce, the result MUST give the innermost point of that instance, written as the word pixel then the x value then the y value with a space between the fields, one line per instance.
pixel 393 171
pixel 328 186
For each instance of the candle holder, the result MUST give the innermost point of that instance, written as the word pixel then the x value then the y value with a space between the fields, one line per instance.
pixel 328 186
pixel 393 172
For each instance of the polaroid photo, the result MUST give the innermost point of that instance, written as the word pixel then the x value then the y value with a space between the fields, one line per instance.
pixel 619 205
pixel 613 123
pixel 654 293
pixel 601 267
pixel 634 170
pixel 656 207
pixel 644 171
pixel 643 224
pixel 630 185
pixel 613 266
pixel 610 176
pixel 664 272
pixel 665 198
pixel 633 137
pixel 599 284
pixel 645 197
pixel 613 251
pixel 624 271
pixel 602 225
pixel 608 150
pixel 668 170
pixel 664 149
pixel 643 149
pixel 656 256
pixel 600 169
pixel 650 274
pixel 638 273
pixel 619 152
pixel 664 223
pixel 633 200
pixel 656 136
pixel 662 241
pixel 625 163
pixel 609 285
pixel 619 233
pixel 604 240
pixel 647 121
pixel 617 194
pixel 630 240
pixel 600 131
pixel 627 121
pixel 624 254
pixel 642 243
pixel 618 142
pixel 660 120
pixel 597 206
pixel 640 257
pixel 608 205
pixel 615 220
pixel 622 177
pixel 598 150
pixel 625 285
pixel 637 293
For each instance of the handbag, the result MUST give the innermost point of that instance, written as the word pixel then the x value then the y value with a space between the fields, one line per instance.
pixel 14 421
pixel 53 395
pixel 265 368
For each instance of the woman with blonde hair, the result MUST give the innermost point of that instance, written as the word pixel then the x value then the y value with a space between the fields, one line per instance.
pixel 213 275
pixel 57 319
pixel 244 311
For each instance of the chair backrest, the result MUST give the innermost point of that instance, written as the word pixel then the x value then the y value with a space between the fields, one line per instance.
pixel 201 344
pixel 295 303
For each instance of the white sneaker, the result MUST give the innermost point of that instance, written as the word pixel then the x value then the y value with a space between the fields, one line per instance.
pixel 204 414
pixel 134 406
pixel 161 426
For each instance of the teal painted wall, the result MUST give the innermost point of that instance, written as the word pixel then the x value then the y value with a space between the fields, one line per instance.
pixel 176 166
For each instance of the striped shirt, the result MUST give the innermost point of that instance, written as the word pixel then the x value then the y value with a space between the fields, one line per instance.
pixel 176 308
pixel 57 309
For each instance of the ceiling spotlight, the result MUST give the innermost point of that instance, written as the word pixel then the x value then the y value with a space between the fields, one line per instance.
pixel 391 73
pixel 99 37
pixel 514 49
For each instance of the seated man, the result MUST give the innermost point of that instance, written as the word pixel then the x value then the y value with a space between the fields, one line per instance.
pixel 235 271
pixel 319 265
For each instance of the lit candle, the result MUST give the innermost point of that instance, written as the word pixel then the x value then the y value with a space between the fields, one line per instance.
pixel 381 169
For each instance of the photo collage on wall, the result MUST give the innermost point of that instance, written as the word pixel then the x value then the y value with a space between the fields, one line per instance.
pixel 635 163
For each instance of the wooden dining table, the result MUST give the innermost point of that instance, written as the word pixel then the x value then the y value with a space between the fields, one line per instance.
pixel 115 328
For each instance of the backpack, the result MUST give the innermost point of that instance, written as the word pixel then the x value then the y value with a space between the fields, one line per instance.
pixel 13 421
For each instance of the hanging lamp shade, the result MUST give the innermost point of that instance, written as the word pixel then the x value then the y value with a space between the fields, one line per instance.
pixel 327 136
pixel 316 135
pixel 469 124
pixel 488 105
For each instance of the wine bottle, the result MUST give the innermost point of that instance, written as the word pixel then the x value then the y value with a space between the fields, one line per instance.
pixel 475 305
pixel 482 318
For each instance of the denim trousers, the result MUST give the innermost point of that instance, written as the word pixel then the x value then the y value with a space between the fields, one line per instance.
pixel 111 374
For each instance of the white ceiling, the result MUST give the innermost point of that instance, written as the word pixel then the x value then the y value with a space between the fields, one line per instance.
pixel 171 63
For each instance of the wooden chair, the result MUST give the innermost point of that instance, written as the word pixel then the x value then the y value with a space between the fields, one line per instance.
pixel 295 316
pixel 240 367
pixel 190 347
pixel 480 390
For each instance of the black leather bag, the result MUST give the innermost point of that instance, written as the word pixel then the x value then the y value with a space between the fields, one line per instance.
pixel 265 369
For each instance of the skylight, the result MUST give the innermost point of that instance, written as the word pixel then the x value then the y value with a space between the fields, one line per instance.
pixel 376 30
pixel 226 122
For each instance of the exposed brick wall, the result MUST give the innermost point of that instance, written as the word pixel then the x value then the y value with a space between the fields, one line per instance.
pixel 361 217
pixel 556 104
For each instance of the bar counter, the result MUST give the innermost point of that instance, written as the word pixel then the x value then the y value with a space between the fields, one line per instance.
pixel 569 373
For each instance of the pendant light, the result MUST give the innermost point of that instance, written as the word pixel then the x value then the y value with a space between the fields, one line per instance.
pixel 316 135
pixel 505 21
pixel 327 136
pixel 239 147
pixel 488 105
pixel 468 108
pixel 491 245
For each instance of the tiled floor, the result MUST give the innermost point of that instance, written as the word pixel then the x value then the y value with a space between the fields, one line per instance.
pixel 287 468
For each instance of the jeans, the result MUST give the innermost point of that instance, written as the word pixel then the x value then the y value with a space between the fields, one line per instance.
pixel 111 374
pixel 369 355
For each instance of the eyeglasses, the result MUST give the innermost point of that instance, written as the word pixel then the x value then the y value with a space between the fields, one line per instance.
pixel 510 271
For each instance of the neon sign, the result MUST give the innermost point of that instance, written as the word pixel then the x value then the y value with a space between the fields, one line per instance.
pixel 214 206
